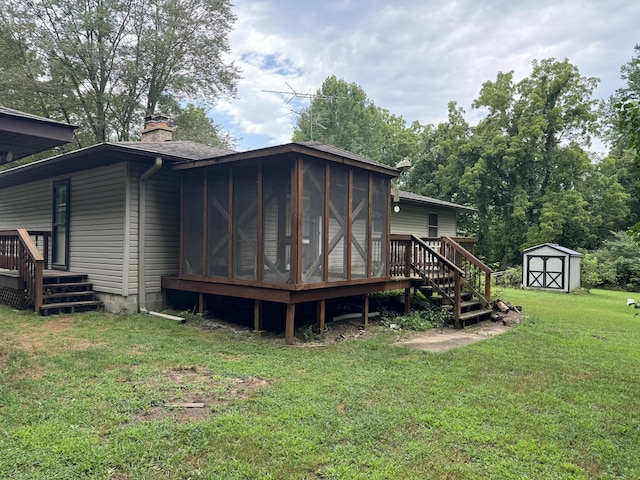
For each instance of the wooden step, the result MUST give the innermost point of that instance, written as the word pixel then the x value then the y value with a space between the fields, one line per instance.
pixel 474 315
pixel 83 283
pixel 44 309
pixel 80 293
pixel 469 304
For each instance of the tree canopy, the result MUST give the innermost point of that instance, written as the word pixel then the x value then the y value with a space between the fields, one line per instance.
pixel 525 165
pixel 341 114
pixel 104 64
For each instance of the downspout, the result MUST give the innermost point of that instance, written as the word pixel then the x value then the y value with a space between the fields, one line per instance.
pixel 142 220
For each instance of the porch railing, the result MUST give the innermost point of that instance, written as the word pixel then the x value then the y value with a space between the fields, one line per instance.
pixel 445 265
pixel 477 276
pixel 412 256
pixel 19 253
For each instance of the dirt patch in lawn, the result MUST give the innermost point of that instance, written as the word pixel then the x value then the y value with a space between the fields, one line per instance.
pixel 51 334
pixel 191 393
pixel 444 339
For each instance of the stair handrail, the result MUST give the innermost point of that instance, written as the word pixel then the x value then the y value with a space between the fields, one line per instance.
pixel 18 252
pixel 445 269
pixel 476 273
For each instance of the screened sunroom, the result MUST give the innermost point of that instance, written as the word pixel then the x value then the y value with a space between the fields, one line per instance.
pixel 290 224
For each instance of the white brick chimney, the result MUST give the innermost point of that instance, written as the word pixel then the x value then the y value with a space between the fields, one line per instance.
pixel 156 129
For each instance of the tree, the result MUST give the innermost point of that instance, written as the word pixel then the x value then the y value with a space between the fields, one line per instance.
pixel 103 64
pixel 524 165
pixel 192 123
pixel 342 115
pixel 625 105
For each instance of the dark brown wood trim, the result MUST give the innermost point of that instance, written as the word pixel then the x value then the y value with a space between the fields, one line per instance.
pixel 230 225
pixel 257 315
pixel 365 310
pixel 226 290
pixel 296 221
pixel 325 226
pixel 205 222
pixel 388 256
pixel 260 233
pixel 321 313
pixel 289 150
pixel 370 228
pixel 181 267
pixel 349 223
pixel 290 323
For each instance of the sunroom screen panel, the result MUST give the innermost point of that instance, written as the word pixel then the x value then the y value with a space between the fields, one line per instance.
pixel 313 191
pixel 276 219
pixel 338 218
pixel 245 222
pixel 379 241
pixel 360 225
pixel 193 229
pixel 218 223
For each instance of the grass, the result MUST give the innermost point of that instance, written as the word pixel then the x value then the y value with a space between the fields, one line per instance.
pixel 554 398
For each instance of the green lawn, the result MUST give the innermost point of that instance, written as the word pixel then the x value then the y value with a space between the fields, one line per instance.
pixel 556 397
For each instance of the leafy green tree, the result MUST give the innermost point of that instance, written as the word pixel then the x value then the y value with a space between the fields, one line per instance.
pixel 625 108
pixel 192 123
pixel 341 114
pixel 103 64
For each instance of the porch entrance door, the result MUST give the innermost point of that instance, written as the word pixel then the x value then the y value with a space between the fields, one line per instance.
pixel 60 226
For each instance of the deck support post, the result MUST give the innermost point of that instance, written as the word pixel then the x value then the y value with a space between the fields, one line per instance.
pixel 321 311
pixel 365 311
pixel 289 326
pixel 201 303
pixel 257 315
pixel 407 301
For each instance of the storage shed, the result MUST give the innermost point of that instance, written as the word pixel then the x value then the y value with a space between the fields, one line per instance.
pixel 551 267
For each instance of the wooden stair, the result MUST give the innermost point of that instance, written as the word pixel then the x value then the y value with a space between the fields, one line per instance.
pixel 67 292
pixel 472 310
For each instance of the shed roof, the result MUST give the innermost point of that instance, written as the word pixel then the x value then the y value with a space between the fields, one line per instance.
pixel 24 134
pixel 555 246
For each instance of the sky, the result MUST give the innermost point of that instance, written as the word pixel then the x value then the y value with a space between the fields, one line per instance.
pixel 411 57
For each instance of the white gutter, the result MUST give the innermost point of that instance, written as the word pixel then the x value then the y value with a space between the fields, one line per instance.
pixel 142 221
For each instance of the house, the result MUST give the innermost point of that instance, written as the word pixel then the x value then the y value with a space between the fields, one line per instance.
pixel 291 224
pixel 425 216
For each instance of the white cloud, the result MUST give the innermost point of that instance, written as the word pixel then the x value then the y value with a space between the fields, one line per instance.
pixel 413 57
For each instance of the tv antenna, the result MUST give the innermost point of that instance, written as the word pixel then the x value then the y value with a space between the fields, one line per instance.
pixel 309 96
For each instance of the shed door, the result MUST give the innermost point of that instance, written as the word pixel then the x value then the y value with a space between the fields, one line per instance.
pixel 545 272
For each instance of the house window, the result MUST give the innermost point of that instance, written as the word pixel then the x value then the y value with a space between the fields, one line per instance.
pixel 433 225
pixel 60 225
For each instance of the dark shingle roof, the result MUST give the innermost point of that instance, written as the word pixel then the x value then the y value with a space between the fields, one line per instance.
pixel 420 199
pixel 186 150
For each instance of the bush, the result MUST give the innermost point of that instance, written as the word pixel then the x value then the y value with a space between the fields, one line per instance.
pixel 420 320
pixel 510 278
pixel 615 265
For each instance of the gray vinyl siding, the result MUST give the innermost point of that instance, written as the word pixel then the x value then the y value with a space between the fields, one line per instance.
pixel 26 206
pixel 413 219
pixel 162 228
pixel 97 226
